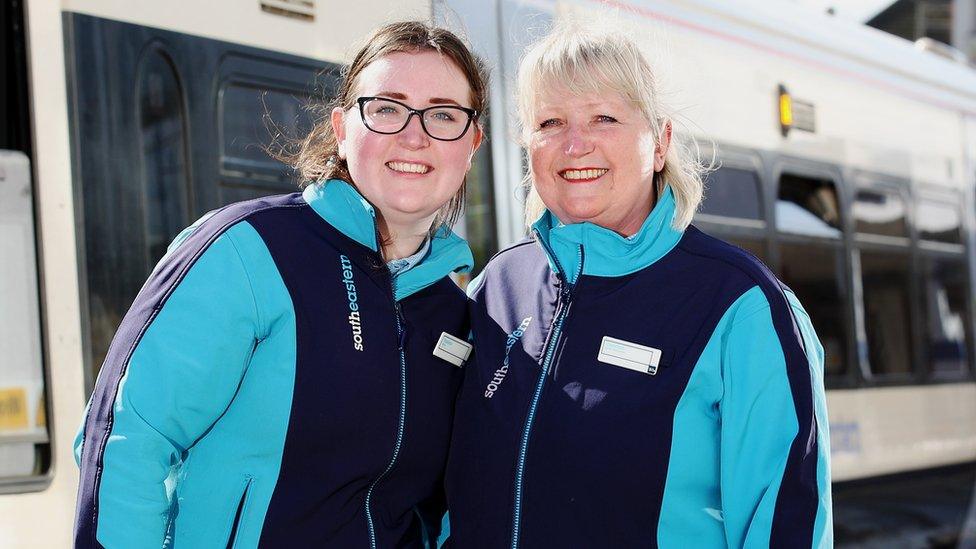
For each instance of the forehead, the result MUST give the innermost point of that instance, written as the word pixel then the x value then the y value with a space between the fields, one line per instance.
pixel 562 98
pixel 419 76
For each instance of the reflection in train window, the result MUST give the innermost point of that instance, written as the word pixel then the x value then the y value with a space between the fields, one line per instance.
pixel 732 192
pixel 946 322
pixel 886 282
pixel 162 132
pixel 813 272
pixel 880 213
pixel 250 115
pixel 938 221
pixel 807 206
pixel 479 210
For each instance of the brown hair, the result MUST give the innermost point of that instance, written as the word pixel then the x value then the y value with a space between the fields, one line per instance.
pixel 315 157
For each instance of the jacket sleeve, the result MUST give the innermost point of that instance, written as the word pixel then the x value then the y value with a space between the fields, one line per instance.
pixel 775 470
pixel 173 368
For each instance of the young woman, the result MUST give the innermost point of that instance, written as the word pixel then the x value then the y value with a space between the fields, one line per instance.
pixel 282 378
pixel 635 383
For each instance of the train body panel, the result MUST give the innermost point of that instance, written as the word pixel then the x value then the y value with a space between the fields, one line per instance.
pixel 876 221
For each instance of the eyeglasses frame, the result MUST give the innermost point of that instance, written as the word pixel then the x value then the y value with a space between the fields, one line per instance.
pixel 361 101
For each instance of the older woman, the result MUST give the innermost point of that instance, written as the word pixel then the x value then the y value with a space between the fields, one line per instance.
pixel 287 376
pixel 636 383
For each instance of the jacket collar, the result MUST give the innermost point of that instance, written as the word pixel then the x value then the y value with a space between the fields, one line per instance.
pixel 341 206
pixel 585 248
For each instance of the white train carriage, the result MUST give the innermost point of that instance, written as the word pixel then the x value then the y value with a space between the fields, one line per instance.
pixel 846 162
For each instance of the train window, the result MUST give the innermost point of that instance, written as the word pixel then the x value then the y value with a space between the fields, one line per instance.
pixel 886 282
pixel 24 441
pixel 807 206
pixel 162 131
pixel 733 192
pixel 946 321
pixel 880 213
pixel 814 271
pixel 250 115
pixel 938 221
pixel 479 209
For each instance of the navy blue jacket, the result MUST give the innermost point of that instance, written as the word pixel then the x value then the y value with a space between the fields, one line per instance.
pixel 664 390
pixel 272 385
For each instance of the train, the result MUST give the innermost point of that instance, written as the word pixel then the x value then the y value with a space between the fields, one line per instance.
pixel 844 158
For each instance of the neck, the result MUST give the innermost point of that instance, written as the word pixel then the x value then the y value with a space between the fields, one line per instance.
pixel 399 240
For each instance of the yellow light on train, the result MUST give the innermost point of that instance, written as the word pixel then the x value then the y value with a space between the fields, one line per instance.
pixel 785 110
pixel 795 114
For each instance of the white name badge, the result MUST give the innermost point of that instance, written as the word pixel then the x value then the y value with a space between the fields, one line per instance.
pixel 454 350
pixel 629 355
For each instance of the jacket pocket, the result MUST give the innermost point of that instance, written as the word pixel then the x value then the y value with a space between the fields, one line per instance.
pixel 239 513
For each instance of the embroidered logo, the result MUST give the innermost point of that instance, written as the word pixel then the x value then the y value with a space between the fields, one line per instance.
pixel 510 342
pixel 355 320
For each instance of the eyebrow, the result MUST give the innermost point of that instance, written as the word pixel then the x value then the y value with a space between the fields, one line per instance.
pixel 433 100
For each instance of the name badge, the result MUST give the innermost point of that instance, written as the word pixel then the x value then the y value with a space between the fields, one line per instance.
pixel 629 355
pixel 452 349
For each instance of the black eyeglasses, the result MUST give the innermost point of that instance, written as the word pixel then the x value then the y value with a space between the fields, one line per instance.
pixel 442 122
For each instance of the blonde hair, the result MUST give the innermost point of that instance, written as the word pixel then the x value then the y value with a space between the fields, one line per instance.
pixel 583 59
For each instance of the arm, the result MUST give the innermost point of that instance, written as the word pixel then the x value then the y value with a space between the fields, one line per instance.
pixel 168 376
pixel 775 470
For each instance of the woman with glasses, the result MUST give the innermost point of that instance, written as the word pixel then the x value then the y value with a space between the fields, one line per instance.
pixel 287 375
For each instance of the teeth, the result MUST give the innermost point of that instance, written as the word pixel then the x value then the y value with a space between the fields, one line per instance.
pixel 583 174
pixel 408 167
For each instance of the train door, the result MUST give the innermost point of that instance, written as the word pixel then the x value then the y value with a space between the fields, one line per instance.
pixel 166 127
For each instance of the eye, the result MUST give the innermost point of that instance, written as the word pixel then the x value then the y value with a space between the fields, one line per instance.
pixel 442 115
pixel 606 118
pixel 549 123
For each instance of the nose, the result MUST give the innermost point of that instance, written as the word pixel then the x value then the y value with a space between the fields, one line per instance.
pixel 413 136
pixel 578 143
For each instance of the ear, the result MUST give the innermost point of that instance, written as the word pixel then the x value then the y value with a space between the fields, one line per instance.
pixel 662 146
pixel 479 134
pixel 339 129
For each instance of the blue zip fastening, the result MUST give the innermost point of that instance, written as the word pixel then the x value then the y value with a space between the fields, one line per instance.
pixel 401 333
pixel 565 298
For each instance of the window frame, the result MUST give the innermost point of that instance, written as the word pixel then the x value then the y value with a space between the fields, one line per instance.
pixel 780 165
pixel 158 48
pixel 925 249
pixel 734 227
pixel 874 243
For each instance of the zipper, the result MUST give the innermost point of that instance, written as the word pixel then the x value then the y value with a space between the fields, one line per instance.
pixel 562 310
pixel 401 343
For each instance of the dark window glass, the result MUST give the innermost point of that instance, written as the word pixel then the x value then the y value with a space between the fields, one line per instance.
pixel 946 323
pixel 882 213
pixel 813 272
pixel 938 221
pixel 479 210
pixel 162 130
pixel 732 192
pixel 886 282
pixel 807 206
pixel 251 116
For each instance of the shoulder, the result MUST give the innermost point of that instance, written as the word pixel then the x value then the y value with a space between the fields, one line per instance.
pixel 215 223
pixel 728 261
pixel 523 262
pixel 761 290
